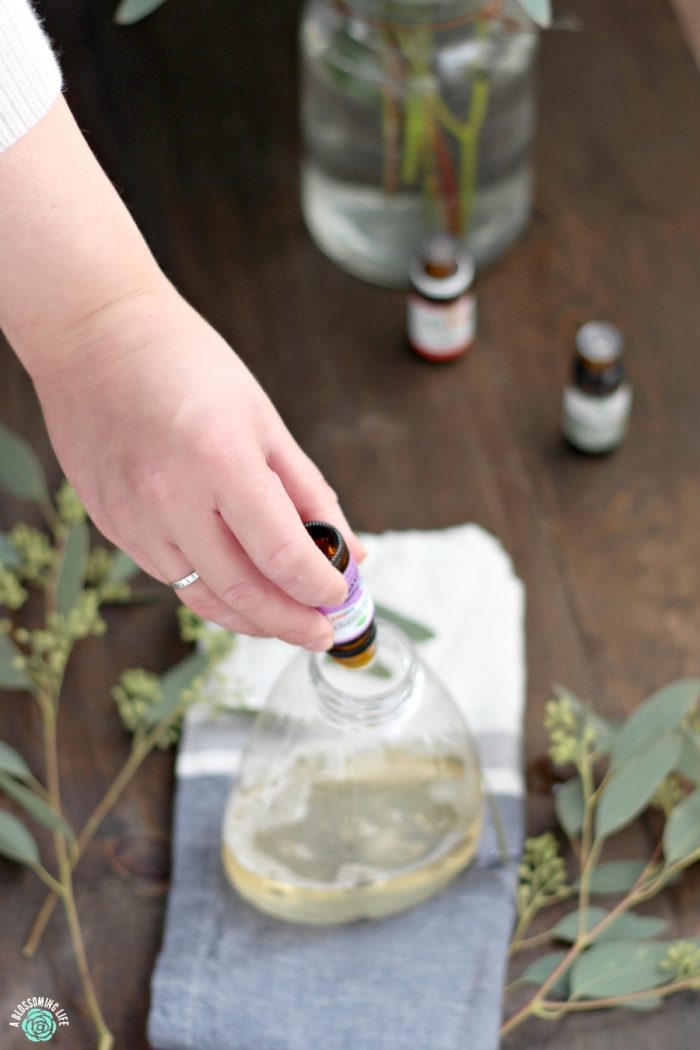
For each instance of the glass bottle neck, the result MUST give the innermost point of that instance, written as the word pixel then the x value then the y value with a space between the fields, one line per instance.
pixel 371 695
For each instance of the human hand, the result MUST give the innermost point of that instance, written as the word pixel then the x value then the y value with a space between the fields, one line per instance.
pixel 181 460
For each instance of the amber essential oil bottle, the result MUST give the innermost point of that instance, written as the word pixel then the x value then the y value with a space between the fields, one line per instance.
pixel 441 304
pixel 354 629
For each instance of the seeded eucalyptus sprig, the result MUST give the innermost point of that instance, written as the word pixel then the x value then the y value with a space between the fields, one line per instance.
pixel 613 956
pixel 74 581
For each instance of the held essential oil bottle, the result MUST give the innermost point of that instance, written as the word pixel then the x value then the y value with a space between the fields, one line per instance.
pixel 354 630
pixel 360 791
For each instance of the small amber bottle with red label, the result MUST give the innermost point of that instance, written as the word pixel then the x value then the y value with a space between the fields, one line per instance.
pixel 441 303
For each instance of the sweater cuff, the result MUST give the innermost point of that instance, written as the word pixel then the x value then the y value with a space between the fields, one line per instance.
pixel 30 76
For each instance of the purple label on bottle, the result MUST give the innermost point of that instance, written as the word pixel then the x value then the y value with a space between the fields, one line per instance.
pixel 351 617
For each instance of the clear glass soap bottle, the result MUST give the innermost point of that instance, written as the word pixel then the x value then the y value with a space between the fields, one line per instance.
pixel 359 793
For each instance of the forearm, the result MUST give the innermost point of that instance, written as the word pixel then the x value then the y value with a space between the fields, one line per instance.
pixel 68 246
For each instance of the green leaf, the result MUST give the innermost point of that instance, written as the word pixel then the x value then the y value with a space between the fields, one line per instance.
pixel 633 783
pixel 34 805
pixel 21 472
pixel 16 841
pixel 682 831
pixel 11 677
pixel 540 11
pixel 414 630
pixel 656 716
pixel 614 877
pixel 72 573
pixel 569 806
pixel 9 556
pixel 605 732
pixel 538 972
pixel 130 11
pixel 173 682
pixel 123 567
pixel 618 968
pixel 12 762
pixel 688 763
pixel 627 926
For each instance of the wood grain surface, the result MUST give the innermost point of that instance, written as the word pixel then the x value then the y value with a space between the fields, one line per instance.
pixel 193 114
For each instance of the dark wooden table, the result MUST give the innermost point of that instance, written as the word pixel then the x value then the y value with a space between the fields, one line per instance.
pixel 193 115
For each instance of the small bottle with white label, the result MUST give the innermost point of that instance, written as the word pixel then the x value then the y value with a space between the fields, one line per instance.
pixel 597 402
pixel 441 303
pixel 354 630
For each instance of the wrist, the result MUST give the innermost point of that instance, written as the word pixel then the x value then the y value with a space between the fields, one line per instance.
pixel 101 332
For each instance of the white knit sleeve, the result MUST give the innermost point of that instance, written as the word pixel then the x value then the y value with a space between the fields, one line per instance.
pixel 30 76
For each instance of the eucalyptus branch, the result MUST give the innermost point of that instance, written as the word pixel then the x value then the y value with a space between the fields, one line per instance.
pixel 582 940
pixel 659 991
pixel 520 943
pixel 139 752
pixel 653 760
pixel 75 581
pixel 54 885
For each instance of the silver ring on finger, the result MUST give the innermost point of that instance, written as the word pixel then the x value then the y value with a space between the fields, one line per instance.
pixel 185 581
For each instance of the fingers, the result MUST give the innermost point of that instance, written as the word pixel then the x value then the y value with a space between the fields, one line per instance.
pixel 172 565
pixel 262 517
pixel 235 583
pixel 309 491
pixel 202 601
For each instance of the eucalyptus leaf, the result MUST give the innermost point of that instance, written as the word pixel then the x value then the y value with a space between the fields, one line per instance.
pixel 633 783
pixel 130 11
pixel 618 968
pixel 21 472
pixel 656 716
pixel 538 972
pixel 11 677
pixel 614 877
pixel 605 732
pixel 688 763
pixel 682 831
pixel 17 841
pixel 414 630
pixel 627 926
pixel 123 567
pixel 72 572
pixel 34 805
pixel 173 682
pixel 12 762
pixel 570 806
pixel 9 556
pixel 540 11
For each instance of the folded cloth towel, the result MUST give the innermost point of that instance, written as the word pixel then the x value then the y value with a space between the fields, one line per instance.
pixel 230 978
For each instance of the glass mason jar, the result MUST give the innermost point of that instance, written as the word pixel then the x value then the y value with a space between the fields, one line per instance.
pixel 359 793
pixel 417 118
